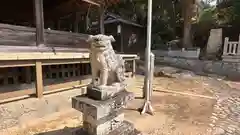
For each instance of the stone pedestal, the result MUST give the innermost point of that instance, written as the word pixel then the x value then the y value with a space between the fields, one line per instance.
pixel 103 94
pixel 104 117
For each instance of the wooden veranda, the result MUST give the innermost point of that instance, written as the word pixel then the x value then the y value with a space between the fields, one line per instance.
pixel 42 48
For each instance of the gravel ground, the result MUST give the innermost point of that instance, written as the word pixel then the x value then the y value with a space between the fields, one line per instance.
pixel 184 104
pixel 225 119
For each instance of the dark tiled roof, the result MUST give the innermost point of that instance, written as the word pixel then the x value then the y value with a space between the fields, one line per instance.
pixel 117 18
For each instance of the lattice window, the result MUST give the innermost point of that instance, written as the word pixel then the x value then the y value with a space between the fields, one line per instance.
pixel 16 75
pixel 66 70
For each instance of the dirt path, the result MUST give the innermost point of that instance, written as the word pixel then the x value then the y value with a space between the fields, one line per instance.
pixel 175 114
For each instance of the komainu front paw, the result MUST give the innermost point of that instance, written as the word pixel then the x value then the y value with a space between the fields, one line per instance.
pixel 95 82
pixel 102 87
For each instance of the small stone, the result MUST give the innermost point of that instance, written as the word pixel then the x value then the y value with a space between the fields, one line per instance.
pixel 218 131
pixel 230 101
pixel 229 131
pixel 211 125
pixel 214 117
pixel 222 116
pixel 232 128
pixel 214 114
pixel 238 131
pixel 213 121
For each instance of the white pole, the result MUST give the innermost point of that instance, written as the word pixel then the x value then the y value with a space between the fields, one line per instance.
pixel 147 103
pixel 152 65
pixel 147 88
pixel 148 48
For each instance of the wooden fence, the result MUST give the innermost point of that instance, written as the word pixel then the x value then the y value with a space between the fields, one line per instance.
pixel 231 50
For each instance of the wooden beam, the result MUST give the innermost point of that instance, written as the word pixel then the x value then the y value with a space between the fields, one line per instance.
pixel 39 79
pixel 16 63
pixel 17 59
pixel 16 93
pixel 39 22
pixel 65 61
pixel 76 22
pixel 64 85
pixel 92 2
pixel 34 49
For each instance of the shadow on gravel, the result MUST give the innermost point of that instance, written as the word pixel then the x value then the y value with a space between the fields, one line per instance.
pixel 65 131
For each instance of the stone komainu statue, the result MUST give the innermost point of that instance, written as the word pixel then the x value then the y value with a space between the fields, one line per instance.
pixel 108 68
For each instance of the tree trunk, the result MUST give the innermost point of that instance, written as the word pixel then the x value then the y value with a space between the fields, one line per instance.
pixel 187 40
pixel 187 9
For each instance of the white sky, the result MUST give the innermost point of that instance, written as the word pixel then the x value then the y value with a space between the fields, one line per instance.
pixel 213 3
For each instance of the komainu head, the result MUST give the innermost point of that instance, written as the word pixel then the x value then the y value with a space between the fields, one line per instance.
pixel 101 42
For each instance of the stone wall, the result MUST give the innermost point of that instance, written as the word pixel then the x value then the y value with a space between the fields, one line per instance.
pixel 183 53
pixel 214 43
pixel 227 69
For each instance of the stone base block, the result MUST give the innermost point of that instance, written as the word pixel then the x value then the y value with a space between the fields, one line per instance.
pixel 103 128
pixel 126 128
pixel 103 93
pixel 95 122
pixel 96 109
pixel 104 117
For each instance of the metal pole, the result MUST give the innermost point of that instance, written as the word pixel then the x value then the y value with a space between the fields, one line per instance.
pixel 146 91
pixel 148 48
pixel 151 75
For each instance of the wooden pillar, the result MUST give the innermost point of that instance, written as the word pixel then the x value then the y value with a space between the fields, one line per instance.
pixel 238 46
pixel 225 46
pixel 39 42
pixel 59 25
pixel 56 25
pixel 101 20
pixel 76 22
pixel 28 74
pixel 39 79
pixel 133 67
pixel 39 22
pixel 15 76
pixel 122 46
